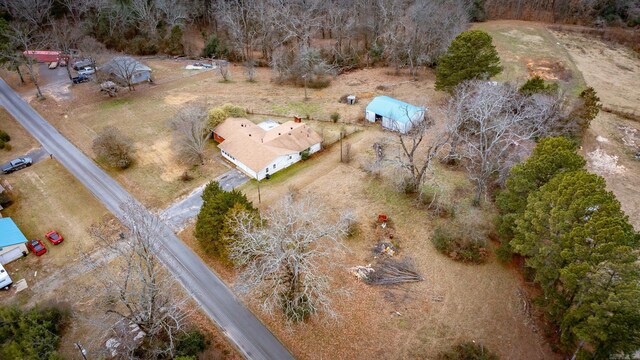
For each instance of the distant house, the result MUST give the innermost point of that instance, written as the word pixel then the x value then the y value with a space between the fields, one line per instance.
pixel 12 241
pixel 121 68
pixel 394 114
pixel 264 149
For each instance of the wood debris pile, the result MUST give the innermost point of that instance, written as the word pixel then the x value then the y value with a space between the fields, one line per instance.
pixel 387 272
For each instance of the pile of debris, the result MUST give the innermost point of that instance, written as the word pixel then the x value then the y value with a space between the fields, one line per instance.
pixel 387 272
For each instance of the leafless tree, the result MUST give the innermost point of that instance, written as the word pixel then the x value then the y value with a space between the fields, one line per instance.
pixel 64 36
pixel 284 254
pixel 147 16
pixel 302 67
pixel 114 147
pixel 242 20
pixel 33 12
pixel 224 71
pixel 419 147
pixel 24 38
pixel 175 13
pixel 490 123
pixel 190 133
pixel 123 69
pixel 77 8
pixel 250 70
pixel 92 49
pixel 146 312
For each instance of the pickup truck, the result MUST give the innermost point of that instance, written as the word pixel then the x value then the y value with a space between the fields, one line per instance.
pixel 16 164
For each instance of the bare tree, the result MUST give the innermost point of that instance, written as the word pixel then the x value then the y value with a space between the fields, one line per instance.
pixel 23 39
pixel 190 132
pixel 146 313
pixel 489 124
pixel 224 71
pixel 419 146
pixel 242 20
pixel 284 254
pixel 176 13
pixel 65 36
pixel 114 147
pixel 146 15
pixel 93 49
pixel 123 69
pixel 250 70
pixel 34 12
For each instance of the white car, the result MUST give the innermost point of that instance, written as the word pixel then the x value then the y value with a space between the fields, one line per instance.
pixel 87 71
pixel 5 279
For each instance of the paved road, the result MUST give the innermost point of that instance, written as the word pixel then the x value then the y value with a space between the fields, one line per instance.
pixel 179 214
pixel 253 339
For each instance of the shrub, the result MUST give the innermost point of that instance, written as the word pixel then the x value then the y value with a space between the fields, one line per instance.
pixel 305 154
pixel 5 198
pixel 467 351
pixel 234 110
pixel 191 344
pixel 114 147
pixel 7 146
pixel 4 136
pixel 460 243
pixel 186 176
pixel 216 116
pixel 537 85
pixel 214 48
pixel 335 116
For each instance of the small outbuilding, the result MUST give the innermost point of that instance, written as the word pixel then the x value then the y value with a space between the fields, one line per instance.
pixel 394 114
pixel 12 241
pixel 121 68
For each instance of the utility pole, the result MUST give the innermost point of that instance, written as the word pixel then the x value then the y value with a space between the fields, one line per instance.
pixel 83 352
pixel 259 191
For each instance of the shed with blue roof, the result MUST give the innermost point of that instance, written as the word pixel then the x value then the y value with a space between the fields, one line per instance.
pixel 394 114
pixel 12 241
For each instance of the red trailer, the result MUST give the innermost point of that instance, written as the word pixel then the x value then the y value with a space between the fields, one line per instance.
pixel 43 55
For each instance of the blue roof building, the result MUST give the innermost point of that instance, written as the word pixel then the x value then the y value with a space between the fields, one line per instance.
pixel 12 241
pixel 394 114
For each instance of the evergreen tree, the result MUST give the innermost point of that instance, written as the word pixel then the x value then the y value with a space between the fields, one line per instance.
pixel 471 55
pixel 551 156
pixel 537 85
pixel 30 335
pixel 211 225
pixel 584 253
pixel 174 41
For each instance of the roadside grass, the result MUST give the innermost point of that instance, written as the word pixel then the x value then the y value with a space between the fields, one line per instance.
pixel 520 43
pixel 47 197
pixel 21 141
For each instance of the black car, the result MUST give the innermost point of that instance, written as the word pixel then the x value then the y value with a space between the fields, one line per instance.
pixel 80 79
pixel 16 164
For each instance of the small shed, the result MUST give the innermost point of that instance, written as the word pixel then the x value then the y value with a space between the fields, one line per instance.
pixel 12 241
pixel 394 114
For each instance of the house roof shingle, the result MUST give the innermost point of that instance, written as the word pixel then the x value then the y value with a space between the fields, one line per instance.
pixel 257 148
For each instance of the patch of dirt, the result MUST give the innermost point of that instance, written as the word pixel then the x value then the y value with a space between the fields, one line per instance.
pixel 161 153
pixel 604 164
pixel 548 70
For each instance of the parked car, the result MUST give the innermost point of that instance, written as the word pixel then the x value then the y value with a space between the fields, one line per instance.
pixel 53 65
pixel 16 164
pixel 5 279
pixel 54 237
pixel 80 64
pixel 80 79
pixel 36 246
pixel 87 71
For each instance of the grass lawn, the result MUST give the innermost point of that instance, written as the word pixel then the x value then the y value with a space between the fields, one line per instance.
pixel 21 142
pixel 526 47
pixel 48 197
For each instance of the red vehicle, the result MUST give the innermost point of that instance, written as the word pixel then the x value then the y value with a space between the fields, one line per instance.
pixel 54 237
pixel 36 246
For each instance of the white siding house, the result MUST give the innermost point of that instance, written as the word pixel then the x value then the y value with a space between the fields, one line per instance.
pixel 261 151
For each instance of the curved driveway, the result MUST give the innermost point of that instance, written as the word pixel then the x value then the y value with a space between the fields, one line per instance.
pixel 253 339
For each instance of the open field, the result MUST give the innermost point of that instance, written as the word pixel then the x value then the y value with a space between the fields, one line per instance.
pixel 143 115
pixel 612 141
pixel 527 49
pixel 455 302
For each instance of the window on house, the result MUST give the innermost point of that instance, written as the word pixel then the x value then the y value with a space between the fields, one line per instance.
pixel 274 166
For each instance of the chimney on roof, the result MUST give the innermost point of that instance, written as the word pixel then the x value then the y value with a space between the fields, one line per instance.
pixel 297 119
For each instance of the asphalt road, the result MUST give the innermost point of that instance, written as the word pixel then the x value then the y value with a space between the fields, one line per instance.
pixel 251 337
pixel 179 214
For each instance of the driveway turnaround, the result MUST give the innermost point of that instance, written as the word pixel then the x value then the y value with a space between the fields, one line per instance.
pixel 250 336
pixel 180 213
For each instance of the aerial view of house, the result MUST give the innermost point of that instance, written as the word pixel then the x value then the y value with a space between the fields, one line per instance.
pixel 266 148
pixel 309 179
